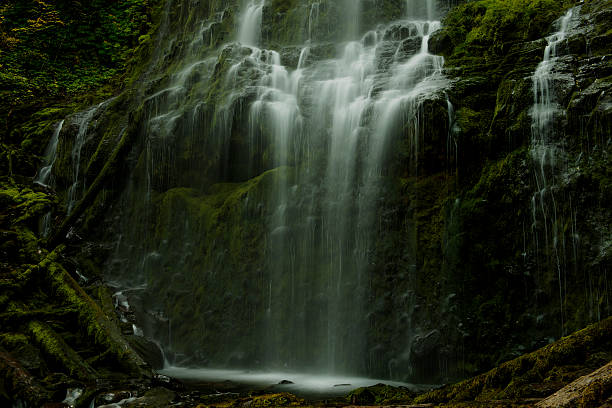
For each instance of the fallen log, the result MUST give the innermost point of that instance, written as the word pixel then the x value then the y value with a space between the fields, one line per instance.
pixel 586 392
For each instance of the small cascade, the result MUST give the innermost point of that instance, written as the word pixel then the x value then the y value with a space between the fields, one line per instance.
pixel 545 105
pixel 548 157
pixel 313 18
pixel 250 23
pixel 83 121
pixel 44 174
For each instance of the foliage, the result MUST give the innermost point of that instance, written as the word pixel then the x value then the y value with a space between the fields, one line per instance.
pixel 56 48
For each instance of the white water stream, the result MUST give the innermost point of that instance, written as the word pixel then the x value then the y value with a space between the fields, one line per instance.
pixel 310 385
pixel 323 125
pixel 548 154
pixel 322 228
pixel 83 121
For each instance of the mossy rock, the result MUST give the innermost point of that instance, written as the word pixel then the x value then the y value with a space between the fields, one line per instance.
pixel 511 379
pixel 381 394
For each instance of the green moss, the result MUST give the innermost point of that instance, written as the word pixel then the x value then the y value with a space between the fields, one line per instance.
pixel 59 352
pixel 474 124
pixel 23 205
pixel 381 394
pixel 275 400
pixel 35 133
pixel 223 231
pixel 12 340
pixel 16 315
pixel 483 27
pixel 102 295
pixel 96 324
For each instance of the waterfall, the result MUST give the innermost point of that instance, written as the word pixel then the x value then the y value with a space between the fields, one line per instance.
pixel 297 149
pixel 321 230
pixel 313 17
pixel 548 154
pixel 44 173
pixel 545 105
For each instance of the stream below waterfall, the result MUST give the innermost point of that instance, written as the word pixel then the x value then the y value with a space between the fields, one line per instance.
pixel 310 386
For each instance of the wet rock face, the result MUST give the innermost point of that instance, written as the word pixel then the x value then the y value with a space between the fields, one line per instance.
pixel 426 344
pixel 493 97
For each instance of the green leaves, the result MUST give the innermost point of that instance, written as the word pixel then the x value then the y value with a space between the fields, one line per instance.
pixel 58 48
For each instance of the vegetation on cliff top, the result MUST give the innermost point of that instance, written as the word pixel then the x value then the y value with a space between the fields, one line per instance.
pixel 58 48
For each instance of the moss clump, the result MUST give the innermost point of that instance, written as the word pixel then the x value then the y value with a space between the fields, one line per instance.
pixel 23 205
pixel 486 27
pixel 260 401
pixel 58 351
pixel 276 400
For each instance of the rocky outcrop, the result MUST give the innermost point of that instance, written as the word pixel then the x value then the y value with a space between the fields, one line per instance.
pixel 502 267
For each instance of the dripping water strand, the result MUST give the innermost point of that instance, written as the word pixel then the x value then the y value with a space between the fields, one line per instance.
pixel 545 152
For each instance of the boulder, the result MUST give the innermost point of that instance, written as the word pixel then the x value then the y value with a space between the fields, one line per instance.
pixel 148 350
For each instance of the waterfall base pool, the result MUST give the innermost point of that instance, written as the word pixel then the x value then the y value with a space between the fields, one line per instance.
pixel 306 385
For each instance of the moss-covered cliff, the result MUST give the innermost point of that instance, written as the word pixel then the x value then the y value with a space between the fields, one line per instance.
pixel 514 263
pixel 159 184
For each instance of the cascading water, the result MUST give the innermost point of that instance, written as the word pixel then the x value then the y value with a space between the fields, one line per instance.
pixel 277 210
pixel 548 154
pixel 298 150
pixel 82 121
pixel 321 229
pixel 249 32
pixel 44 173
